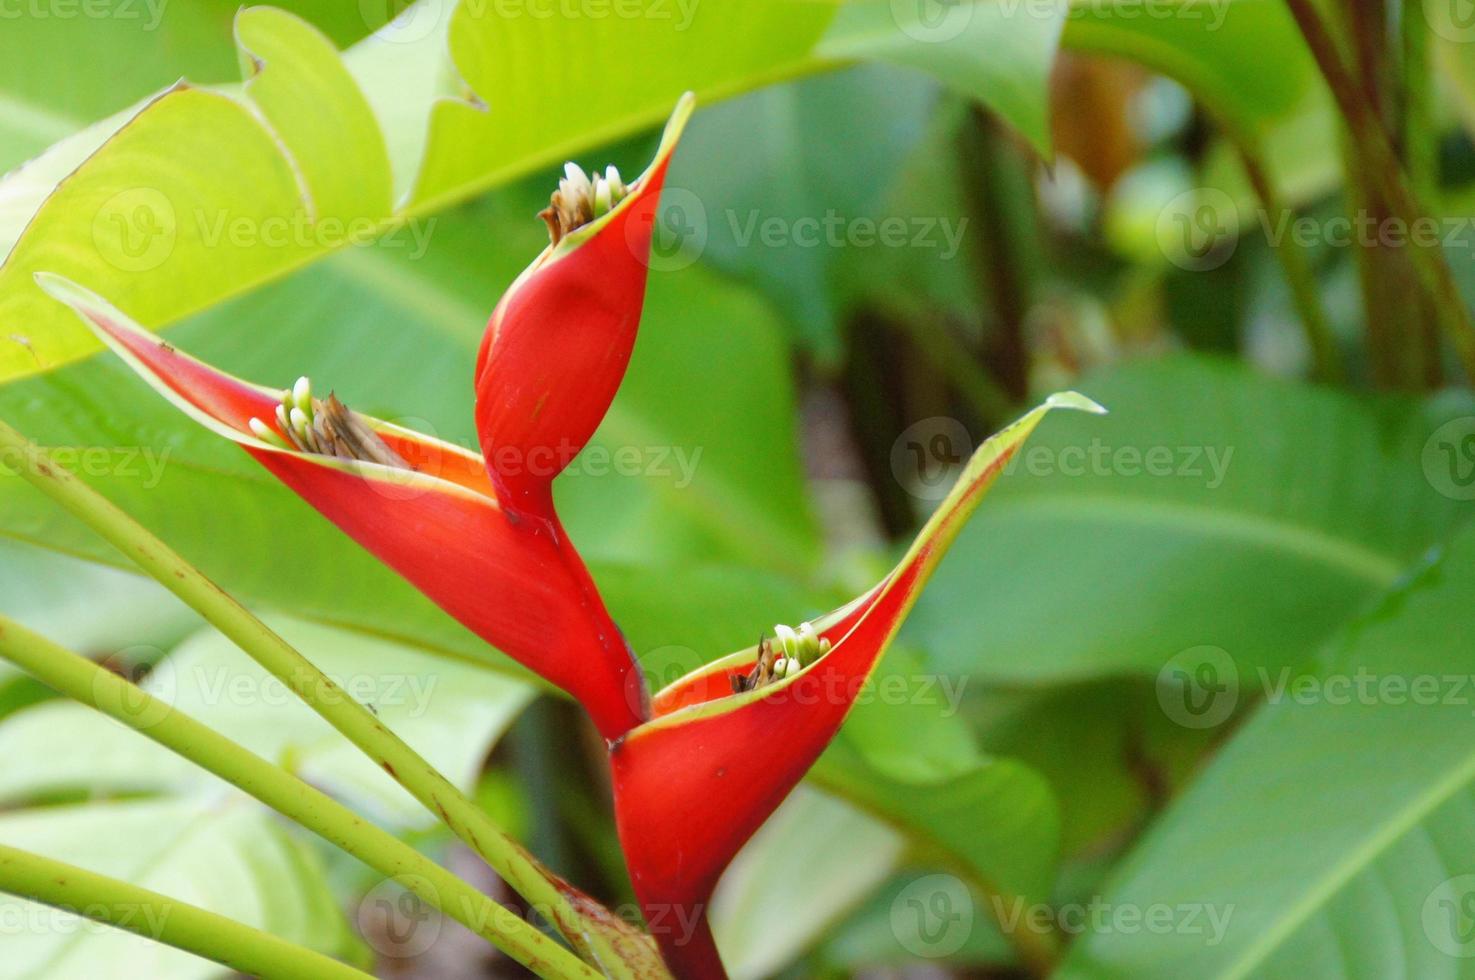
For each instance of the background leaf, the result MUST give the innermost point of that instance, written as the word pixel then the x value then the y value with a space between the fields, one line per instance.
pixel 1311 861
pixel 1317 504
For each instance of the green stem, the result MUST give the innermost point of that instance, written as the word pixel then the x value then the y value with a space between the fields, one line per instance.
pixel 1000 197
pixel 1382 166
pixel 1325 360
pixel 1420 134
pixel 163 919
pixel 1421 145
pixel 350 718
pixel 82 680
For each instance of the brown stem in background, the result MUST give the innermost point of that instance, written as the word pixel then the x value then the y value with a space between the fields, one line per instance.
pixel 1000 199
pixel 1378 163
pixel 1402 338
pixel 870 394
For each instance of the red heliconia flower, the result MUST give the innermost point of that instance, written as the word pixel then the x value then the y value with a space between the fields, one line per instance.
pixel 698 768
pixel 729 741
pixel 451 521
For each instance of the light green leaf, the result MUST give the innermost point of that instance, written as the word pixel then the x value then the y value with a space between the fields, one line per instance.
pixel 148 219
pixel 813 861
pixel 80 65
pixel 543 87
pixel 85 606
pixel 1332 835
pixel 295 77
pixel 230 857
pixel 1212 507
pixel 449 712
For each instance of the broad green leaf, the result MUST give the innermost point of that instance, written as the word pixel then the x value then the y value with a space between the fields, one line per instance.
pixel 80 65
pixel 814 860
pixel 1218 49
pixel 937 283
pixel 1108 751
pixel 60 748
pixel 838 140
pixel 295 77
pixel 151 218
pixel 1331 836
pixel 230 857
pixel 541 86
pixel 1211 507
pixel 197 197
pixel 920 914
pixel 85 606
pixel 450 712
pixel 993 820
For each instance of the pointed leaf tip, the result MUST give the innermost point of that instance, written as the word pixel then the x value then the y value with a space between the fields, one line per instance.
pixel 1075 400
pixel 61 288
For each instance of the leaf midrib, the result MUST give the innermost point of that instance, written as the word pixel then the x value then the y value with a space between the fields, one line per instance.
pixel 1357 861
pixel 1376 568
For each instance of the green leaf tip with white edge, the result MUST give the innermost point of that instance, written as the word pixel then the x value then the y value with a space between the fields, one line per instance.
pixel 1075 400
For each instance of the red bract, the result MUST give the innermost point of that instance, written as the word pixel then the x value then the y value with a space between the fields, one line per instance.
pixel 558 343
pixel 696 781
pixel 436 513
